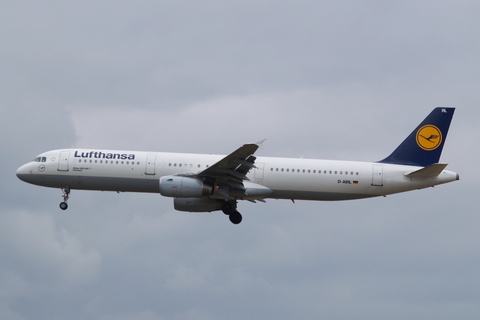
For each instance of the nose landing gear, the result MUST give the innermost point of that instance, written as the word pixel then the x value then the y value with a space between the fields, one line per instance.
pixel 66 195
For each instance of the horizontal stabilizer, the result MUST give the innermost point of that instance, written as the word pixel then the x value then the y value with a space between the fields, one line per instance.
pixel 428 172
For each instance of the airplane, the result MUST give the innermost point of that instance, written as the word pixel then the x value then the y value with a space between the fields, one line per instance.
pixel 206 183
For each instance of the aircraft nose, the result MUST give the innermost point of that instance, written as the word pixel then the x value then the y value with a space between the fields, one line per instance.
pixel 23 172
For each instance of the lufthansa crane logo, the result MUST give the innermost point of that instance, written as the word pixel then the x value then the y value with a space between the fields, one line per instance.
pixel 429 137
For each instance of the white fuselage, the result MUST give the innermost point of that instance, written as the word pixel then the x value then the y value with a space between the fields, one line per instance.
pixel 287 178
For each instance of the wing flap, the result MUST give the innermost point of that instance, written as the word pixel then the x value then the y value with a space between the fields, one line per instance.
pixel 239 175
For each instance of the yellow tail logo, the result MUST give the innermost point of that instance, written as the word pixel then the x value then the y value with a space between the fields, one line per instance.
pixel 429 137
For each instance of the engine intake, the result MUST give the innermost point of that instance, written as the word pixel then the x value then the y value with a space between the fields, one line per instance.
pixel 184 187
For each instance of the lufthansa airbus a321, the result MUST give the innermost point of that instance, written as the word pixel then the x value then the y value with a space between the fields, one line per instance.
pixel 206 183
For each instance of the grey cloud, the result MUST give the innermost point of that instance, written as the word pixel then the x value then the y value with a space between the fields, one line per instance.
pixel 158 54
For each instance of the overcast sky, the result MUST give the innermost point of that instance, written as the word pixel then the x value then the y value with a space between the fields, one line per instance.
pixel 335 80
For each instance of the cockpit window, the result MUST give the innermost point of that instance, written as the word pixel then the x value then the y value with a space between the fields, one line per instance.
pixel 44 159
pixel 37 159
pixel 40 159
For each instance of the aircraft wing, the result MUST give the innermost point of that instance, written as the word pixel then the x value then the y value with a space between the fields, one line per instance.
pixel 230 172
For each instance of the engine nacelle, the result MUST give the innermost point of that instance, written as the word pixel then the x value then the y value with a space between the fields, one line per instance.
pixel 184 187
pixel 197 204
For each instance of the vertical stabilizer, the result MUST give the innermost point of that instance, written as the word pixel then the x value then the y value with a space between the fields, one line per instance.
pixel 424 145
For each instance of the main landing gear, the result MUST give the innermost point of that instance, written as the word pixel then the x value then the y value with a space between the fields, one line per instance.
pixel 229 207
pixel 66 194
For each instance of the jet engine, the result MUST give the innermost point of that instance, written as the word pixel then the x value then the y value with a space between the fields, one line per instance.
pixel 197 204
pixel 184 187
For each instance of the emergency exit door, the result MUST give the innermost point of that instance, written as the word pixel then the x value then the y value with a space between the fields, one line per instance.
pixel 150 165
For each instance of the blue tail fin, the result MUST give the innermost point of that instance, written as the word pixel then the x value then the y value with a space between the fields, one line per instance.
pixel 424 145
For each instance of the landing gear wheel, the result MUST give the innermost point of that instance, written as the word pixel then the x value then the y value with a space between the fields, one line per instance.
pixel 235 217
pixel 228 207
pixel 66 195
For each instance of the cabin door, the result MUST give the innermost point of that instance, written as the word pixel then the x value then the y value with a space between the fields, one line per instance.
pixel 377 175
pixel 63 161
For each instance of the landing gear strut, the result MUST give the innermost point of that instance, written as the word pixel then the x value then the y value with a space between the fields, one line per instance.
pixel 229 207
pixel 66 194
